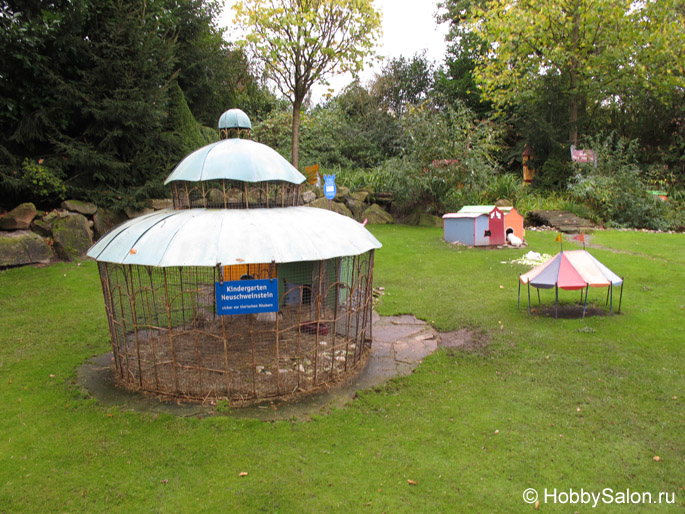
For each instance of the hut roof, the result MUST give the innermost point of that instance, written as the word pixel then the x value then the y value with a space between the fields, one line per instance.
pixel 209 237
pixel 235 159
pixel 484 209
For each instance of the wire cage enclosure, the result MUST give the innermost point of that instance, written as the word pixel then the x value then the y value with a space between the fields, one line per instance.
pixel 168 338
pixel 168 285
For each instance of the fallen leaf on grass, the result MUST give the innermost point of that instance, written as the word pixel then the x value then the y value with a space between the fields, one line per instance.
pixel 242 474
pixel 165 481
pixel 537 505
pixel 412 482
pixel 656 458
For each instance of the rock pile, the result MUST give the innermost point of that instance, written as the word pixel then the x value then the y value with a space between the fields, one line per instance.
pixel 30 236
pixel 358 205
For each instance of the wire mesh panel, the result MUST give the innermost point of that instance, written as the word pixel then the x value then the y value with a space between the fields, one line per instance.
pixel 168 338
pixel 233 194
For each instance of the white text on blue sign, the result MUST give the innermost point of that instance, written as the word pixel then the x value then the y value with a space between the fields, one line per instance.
pixel 246 296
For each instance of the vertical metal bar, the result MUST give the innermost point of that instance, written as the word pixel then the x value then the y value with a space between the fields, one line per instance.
pixel 134 316
pixel 529 311
pixel 109 309
pixel 611 299
pixel 587 288
pixel 518 297
pixel 150 334
pixel 556 301
pixel 318 321
pixel 194 300
pixel 171 339
pixel 254 363
pixel 183 306
pixel 620 298
pixel 123 324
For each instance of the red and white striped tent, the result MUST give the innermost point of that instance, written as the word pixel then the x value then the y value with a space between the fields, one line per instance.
pixel 572 270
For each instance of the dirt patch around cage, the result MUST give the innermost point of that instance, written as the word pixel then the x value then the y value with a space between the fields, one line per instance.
pixel 400 343
pixel 244 359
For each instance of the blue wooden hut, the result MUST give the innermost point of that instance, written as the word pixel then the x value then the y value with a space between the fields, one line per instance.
pixel 468 228
pixel 475 226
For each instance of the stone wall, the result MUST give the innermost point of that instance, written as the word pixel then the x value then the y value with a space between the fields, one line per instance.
pixel 30 236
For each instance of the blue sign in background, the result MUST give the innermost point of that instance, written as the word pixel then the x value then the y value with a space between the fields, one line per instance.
pixel 246 296
pixel 329 189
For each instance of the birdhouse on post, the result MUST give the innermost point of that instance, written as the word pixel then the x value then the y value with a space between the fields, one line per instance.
pixel 528 170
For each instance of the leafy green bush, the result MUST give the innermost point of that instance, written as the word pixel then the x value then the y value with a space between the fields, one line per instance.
pixel 40 182
pixel 506 186
pixel 615 189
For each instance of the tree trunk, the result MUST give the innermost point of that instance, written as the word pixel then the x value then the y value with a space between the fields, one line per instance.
pixel 573 120
pixel 297 105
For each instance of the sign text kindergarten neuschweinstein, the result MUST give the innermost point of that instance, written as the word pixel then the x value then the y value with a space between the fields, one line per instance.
pixel 246 296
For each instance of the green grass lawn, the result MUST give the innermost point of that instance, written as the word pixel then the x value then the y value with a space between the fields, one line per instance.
pixel 565 404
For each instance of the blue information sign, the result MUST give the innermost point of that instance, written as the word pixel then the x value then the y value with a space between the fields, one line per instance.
pixel 246 296
pixel 329 189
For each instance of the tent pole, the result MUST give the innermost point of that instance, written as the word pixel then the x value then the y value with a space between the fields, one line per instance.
pixel 556 301
pixel 607 302
pixel 528 297
pixel 539 302
pixel 611 302
pixel 620 298
pixel 518 298
pixel 581 294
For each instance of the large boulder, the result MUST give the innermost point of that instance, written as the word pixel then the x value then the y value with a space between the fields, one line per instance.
pixel 360 196
pixel 42 227
pixel 376 215
pixel 105 220
pixel 72 237
pixel 341 192
pixel 18 218
pixel 308 197
pixel 133 212
pixel 338 207
pixel 428 220
pixel 163 203
pixel 85 208
pixel 23 247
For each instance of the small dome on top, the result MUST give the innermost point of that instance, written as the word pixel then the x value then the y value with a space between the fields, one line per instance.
pixel 234 119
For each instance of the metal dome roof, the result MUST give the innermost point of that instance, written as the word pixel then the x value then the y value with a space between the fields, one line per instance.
pixel 234 118
pixel 209 237
pixel 235 159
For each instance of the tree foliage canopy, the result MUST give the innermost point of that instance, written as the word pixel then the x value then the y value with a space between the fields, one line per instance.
pixel 599 50
pixel 89 85
pixel 302 42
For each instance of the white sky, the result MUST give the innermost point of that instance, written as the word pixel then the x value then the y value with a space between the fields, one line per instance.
pixel 409 27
